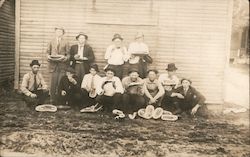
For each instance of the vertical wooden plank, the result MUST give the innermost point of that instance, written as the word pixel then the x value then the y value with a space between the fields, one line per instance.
pixel 17 43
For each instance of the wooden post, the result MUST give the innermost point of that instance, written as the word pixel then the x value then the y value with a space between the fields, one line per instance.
pixel 17 43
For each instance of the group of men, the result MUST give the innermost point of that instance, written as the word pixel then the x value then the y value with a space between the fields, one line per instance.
pixel 74 79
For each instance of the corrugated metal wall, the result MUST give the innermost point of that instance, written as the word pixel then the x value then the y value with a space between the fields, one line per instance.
pixel 7 40
pixel 192 33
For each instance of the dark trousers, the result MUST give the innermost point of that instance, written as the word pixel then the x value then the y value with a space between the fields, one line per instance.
pixel 118 70
pixel 132 102
pixel 141 67
pixel 40 99
pixel 87 101
pixel 55 78
pixel 170 103
pixel 80 70
pixel 72 98
pixel 110 102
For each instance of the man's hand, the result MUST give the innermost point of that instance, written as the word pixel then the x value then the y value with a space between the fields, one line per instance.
pixel 77 56
pixel 194 109
pixel 85 58
pixel 63 93
pixel 152 101
pixel 32 95
pixel 180 96
pixel 72 80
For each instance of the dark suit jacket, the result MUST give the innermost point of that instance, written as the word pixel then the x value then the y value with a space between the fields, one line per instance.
pixel 192 96
pixel 87 52
pixel 69 87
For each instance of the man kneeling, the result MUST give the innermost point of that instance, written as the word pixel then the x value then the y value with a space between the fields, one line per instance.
pixel 188 98
pixel 33 86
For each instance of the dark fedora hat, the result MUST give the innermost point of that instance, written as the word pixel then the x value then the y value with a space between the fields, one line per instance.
pixel 71 70
pixel 34 62
pixel 171 67
pixel 94 66
pixel 83 34
pixel 183 79
pixel 117 36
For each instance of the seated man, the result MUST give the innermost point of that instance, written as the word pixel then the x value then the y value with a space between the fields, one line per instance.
pixel 109 91
pixel 189 99
pixel 133 99
pixel 69 89
pixel 89 84
pixel 153 89
pixel 33 86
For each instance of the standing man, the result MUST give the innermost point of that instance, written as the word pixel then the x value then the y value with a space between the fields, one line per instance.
pixel 58 56
pixel 81 56
pixel 33 86
pixel 170 82
pixel 116 54
pixel 133 99
pixel 137 51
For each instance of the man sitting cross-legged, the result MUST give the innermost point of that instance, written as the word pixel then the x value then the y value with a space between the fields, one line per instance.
pixel 69 89
pixel 133 99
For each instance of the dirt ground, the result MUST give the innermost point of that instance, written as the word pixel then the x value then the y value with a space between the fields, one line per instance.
pixel 25 132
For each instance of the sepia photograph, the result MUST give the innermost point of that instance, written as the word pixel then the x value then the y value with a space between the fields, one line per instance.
pixel 124 78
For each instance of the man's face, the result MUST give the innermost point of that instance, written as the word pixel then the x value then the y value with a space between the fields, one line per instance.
pixel 92 71
pixel 140 39
pixel 117 42
pixel 35 69
pixel 82 39
pixel 59 32
pixel 185 83
pixel 109 74
pixel 152 75
pixel 171 73
pixel 133 76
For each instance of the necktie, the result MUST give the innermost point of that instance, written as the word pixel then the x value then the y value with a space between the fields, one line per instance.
pixel 185 91
pixel 35 83
pixel 58 44
pixel 92 83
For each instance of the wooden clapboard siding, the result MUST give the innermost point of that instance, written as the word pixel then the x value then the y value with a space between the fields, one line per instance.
pixel 7 40
pixel 192 33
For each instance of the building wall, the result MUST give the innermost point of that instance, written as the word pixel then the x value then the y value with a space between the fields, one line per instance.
pixel 7 41
pixel 192 33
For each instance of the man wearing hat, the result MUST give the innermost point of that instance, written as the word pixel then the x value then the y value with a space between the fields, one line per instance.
pixel 81 55
pixel 58 56
pixel 69 89
pixel 116 54
pixel 109 91
pixel 137 50
pixel 188 99
pixel 133 98
pixel 170 81
pixel 33 86
pixel 89 84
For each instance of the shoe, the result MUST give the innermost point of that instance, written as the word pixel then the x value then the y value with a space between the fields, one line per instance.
pixel 157 113
pixel 46 108
pixel 119 113
pixel 168 117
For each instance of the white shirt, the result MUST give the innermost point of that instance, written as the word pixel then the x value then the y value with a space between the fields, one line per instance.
pixel 137 48
pixel 116 56
pixel 166 80
pixel 109 90
pixel 87 80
